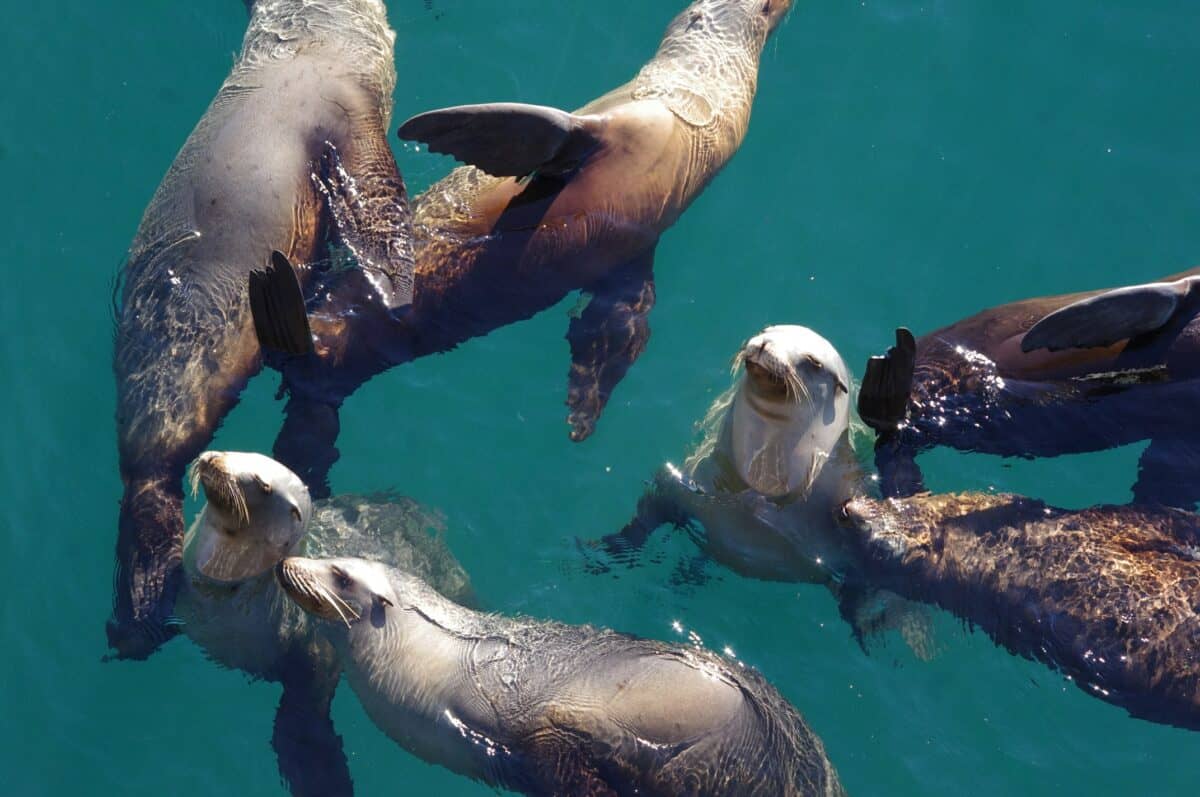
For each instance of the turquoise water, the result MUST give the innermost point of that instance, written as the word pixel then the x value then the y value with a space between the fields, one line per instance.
pixel 909 161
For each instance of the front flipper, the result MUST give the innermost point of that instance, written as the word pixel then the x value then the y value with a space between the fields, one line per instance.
pixel 1109 317
pixel 277 305
pixel 872 613
pixel 606 338
pixel 883 396
pixel 507 139
pixel 311 760
pixel 368 204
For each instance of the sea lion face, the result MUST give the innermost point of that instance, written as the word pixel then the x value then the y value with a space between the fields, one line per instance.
pixel 789 411
pixel 343 590
pixel 257 511
pixel 747 21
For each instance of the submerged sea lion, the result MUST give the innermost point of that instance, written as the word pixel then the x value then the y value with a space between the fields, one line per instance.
pixel 312 80
pixel 569 201
pixel 1049 376
pixel 1106 595
pixel 257 513
pixel 546 708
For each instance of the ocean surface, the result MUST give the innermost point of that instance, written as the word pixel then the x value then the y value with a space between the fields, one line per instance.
pixel 909 162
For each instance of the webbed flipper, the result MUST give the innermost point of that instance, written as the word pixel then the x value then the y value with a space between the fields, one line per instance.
pixel 277 305
pixel 368 204
pixel 605 340
pixel 507 139
pixel 872 613
pixel 883 396
pixel 309 750
pixel 1108 318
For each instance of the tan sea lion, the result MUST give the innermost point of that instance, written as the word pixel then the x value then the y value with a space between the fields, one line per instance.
pixel 257 513
pixel 551 709
pixel 1049 376
pixel 560 202
pixel 313 81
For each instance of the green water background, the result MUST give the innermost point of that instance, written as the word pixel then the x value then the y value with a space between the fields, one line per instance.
pixel 909 161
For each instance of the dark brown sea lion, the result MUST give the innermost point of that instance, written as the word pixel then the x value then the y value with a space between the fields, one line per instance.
pixel 577 202
pixel 1106 595
pixel 311 79
pixel 1049 376
pixel 552 709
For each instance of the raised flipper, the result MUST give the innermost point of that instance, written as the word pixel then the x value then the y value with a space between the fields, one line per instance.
pixel 508 139
pixel 883 396
pixel 1109 317
pixel 311 760
pixel 606 338
pixel 368 204
pixel 896 462
pixel 277 305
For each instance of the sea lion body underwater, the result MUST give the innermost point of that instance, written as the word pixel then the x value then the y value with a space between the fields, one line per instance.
pixel 231 606
pixel 1055 375
pixel 312 79
pixel 560 202
pixel 545 708
pixel 1106 595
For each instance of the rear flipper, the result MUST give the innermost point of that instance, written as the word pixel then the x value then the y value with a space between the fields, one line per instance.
pixel 311 760
pixel 277 306
pixel 1169 474
pixel 508 139
pixel 606 338
pixel 872 613
pixel 368 204
pixel 307 442
pixel 887 382
pixel 1110 317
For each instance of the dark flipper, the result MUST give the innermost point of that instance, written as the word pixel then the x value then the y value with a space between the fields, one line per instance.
pixel 606 338
pixel 311 760
pixel 307 442
pixel 1169 474
pixel 883 397
pixel 507 139
pixel 1108 318
pixel 368 204
pixel 871 613
pixel 277 305
pixel 899 474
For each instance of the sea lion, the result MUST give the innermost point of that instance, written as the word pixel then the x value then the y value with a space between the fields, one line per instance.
pixel 546 708
pixel 560 202
pixel 313 81
pixel 1049 376
pixel 764 482
pixel 1106 595
pixel 257 513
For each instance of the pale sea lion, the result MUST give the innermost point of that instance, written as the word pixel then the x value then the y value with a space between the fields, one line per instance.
pixel 758 494
pixel 1049 376
pixel 560 202
pixel 257 513
pixel 546 708
pixel 312 80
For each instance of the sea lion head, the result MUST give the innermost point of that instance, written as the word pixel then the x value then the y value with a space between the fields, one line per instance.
pixel 726 22
pixel 345 591
pixel 789 411
pixel 256 513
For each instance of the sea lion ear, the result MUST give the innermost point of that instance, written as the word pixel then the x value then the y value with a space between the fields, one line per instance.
pixel 507 139
pixel 1107 318
pixel 277 305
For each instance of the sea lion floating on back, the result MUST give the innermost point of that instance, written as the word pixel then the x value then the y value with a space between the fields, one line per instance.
pixel 560 202
pixel 1049 376
pixel 312 79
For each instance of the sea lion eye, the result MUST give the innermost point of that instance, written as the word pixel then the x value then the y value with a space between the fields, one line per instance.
pixel 815 363
pixel 296 516
pixel 340 578
pixel 262 483
pixel 766 9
